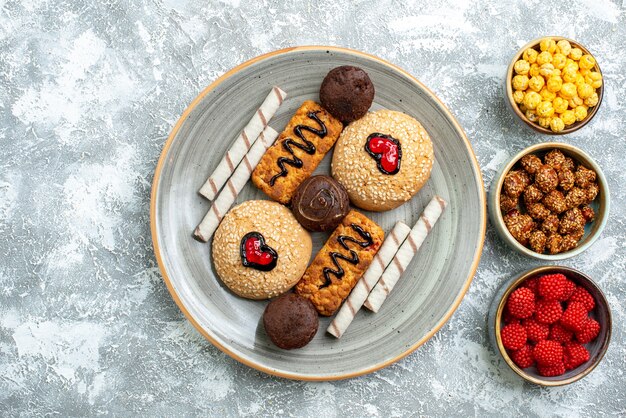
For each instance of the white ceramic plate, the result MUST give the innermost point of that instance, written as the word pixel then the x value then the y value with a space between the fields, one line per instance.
pixel 431 288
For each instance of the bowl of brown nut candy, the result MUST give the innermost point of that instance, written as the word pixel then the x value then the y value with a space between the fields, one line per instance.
pixel 554 85
pixel 550 201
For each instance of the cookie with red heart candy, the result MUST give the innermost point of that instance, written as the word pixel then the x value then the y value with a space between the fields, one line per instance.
pixel 383 159
pixel 260 250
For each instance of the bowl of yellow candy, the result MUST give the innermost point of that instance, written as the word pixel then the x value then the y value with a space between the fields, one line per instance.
pixel 554 85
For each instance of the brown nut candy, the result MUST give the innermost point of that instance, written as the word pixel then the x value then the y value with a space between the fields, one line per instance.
pixel 507 203
pixel 553 243
pixel 538 241
pixel 569 164
pixel 537 211
pixel 520 226
pixel 515 182
pixel 575 197
pixel 532 194
pixel 584 177
pixel 590 193
pixel 554 159
pixel 555 201
pixel 569 242
pixel 588 213
pixel 550 224
pixel 566 179
pixel 530 163
pixel 571 221
pixel 546 178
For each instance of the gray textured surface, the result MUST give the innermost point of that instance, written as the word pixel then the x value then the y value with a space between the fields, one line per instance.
pixel 89 92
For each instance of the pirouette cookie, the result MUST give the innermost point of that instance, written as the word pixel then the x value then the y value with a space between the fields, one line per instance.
pixel 383 159
pixel 260 250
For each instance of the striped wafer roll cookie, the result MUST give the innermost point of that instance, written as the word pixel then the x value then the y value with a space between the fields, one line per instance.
pixel 243 143
pixel 405 254
pixel 365 285
pixel 234 185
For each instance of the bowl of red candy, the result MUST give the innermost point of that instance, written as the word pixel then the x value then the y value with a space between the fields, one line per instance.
pixel 552 325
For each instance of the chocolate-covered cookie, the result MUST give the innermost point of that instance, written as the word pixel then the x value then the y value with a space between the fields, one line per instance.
pixel 320 203
pixel 290 321
pixel 347 93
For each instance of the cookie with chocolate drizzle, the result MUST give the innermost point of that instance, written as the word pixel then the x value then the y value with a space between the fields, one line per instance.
pixel 297 152
pixel 341 262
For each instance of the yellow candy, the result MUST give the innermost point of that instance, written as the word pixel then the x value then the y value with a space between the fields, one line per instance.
pixel 531 100
pixel 559 60
pixel 520 82
pixel 531 115
pixel 564 46
pixel 587 62
pixel 575 54
pixel 556 124
pixel 571 66
pixel 579 79
pixel 522 107
pixel 569 76
pixel 574 102
pixel 556 72
pixel 536 83
pixel 585 90
pixel 544 122
pixel 547 95
pixel 530 55
pixel 518 96
pixel 546 70
pixel 583 72
pixel 594 79
pixel 545 110
pixel 592 100
pixel 547 45
pixel 534 70
pixel 544 58
pixel 521 67
pixel 554 84
pixel 580 112
pixel 559 104
pixel 568 117
pixel 568 90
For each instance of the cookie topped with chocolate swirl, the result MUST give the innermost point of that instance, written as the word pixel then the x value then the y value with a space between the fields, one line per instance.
pixel 320 203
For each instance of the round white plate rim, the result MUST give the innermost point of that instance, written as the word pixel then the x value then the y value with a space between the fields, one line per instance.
pixel 206 333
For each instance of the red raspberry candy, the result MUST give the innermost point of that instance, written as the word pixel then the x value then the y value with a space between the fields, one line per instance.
pixel 549 371
pixel 553 287
pixel 532 284
pixel 574 316
pixel 513 336
pixel 508 318
pixel 536 331
pixel 521 303
pixel 581 295
pixel 574 355
pixel 523 357
pixel 560 334
pixel 589 331
pixel 548 311
pixel 548 353
pixel 570 287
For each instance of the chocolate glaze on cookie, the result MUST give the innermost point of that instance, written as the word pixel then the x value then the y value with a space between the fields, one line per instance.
pixel 290 321
pixel 320 203
pixel 347 93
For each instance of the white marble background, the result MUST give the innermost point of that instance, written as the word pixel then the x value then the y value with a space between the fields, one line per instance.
pixel 89 91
